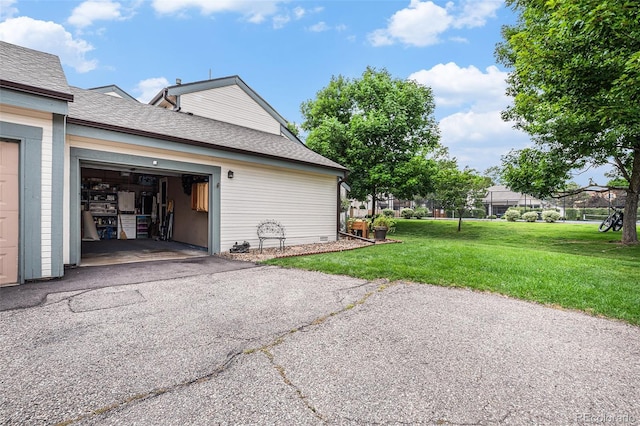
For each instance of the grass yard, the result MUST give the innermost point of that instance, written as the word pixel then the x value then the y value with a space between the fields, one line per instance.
pixel 569 265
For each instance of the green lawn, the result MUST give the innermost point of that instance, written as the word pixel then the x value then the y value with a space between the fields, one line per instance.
pixel 568 265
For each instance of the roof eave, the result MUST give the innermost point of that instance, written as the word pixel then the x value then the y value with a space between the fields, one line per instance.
pixel 53 94
pixel 144 133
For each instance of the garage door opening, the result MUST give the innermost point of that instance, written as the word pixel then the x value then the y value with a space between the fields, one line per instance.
pixel 134 215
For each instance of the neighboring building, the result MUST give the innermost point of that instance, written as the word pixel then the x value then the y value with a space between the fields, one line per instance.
pixel 218 160
pixel 499 198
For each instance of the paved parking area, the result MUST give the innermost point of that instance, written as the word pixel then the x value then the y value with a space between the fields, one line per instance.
pixel 265 345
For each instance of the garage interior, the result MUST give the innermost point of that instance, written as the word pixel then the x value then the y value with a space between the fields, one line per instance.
pixel 135 215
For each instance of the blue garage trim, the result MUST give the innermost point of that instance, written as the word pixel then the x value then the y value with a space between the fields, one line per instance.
pixel 79 155
pixel 30 214
pixel 57 197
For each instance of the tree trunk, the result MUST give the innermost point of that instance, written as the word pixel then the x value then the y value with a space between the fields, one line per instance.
pixel 460 213
pixel 373 203
pixel 629 231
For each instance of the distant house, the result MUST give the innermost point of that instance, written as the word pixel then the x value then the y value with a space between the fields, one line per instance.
pixel 499 198
pixel 211 158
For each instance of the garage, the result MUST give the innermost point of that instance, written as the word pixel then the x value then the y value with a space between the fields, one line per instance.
pixel 9 216
pixel 129 212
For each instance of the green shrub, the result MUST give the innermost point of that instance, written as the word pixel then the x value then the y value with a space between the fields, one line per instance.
pixel 420 212
pixel 386 221
pixel 512 215
pixel 388 212
pixel 572 214
pixel 530 216
pixel 407 213
pixel 550 216
pixel 493 216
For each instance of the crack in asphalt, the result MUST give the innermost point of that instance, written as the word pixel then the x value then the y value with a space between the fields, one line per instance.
pixel 139 397
pixel 232 356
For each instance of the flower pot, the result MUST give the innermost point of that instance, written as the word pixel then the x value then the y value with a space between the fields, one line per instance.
pixel 380 233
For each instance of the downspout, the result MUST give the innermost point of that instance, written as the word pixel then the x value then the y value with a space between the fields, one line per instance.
pixel 339 204
pixel 165 96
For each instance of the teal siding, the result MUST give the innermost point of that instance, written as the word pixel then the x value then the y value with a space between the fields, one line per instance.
pixel 30 250
pixel 35 102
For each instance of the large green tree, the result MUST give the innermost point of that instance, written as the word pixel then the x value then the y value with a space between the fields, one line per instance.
pixel 377 126
pixel 575 81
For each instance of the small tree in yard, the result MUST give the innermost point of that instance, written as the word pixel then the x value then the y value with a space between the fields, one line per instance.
pixel 459 190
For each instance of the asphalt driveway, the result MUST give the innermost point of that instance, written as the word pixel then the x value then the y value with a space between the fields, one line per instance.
pixel 264 345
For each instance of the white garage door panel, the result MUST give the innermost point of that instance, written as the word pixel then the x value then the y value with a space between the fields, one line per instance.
pixel 9 201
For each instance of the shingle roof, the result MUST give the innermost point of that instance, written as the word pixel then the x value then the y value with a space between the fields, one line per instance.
pixel 32 71
pixel 103 111
pixel 502 194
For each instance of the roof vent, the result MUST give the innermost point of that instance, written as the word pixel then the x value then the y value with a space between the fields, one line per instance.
pixel 178 81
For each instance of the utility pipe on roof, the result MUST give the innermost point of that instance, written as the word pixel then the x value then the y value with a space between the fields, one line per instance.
pixel 165 96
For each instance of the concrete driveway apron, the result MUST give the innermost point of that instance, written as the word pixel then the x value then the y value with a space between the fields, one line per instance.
pixel 277 346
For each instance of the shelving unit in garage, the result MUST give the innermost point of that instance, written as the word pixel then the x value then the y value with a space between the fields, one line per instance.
pixel 103 206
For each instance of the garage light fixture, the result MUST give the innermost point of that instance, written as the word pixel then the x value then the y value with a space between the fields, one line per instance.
pixel 230 174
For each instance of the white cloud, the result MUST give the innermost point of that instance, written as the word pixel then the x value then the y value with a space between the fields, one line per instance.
pixel 419 25
pixel 49 37
pixel 474 130
pixel 319 27
pixel 149 88
pixel 479 139
pixel 475 13
pixel 457 86
pixel 7 10
pixel 299 12
pixel 96 10
pixel 423 22
pixel 254 11
pixel 281 19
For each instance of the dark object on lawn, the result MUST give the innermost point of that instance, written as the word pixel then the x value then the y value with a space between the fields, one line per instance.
pixel 240 248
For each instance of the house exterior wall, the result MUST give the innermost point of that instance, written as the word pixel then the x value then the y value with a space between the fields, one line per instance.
pixel 304 203
pixel 302 198
pixel 230 104
pixel 40 188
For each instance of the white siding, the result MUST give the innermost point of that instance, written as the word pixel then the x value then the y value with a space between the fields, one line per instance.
pixel 230 104
pixel 304 202
pixel 45 121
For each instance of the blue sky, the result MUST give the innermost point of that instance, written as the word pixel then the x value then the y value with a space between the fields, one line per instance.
pixel 287 51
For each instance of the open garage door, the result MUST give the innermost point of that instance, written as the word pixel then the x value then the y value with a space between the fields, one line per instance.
pixel 134 214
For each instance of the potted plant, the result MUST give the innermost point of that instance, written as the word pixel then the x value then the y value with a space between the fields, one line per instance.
pixel 381 226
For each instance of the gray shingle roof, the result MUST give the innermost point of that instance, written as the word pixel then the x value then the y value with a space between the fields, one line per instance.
pixel 501 194
pixel 104 111
pixel 26 69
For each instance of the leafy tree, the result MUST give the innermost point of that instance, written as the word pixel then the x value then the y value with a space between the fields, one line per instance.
pixel 494 174
pixel 380 128
pixel 458 190
pixel 576 85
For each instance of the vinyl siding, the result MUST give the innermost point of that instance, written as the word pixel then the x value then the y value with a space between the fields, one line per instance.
pixel 304 203
pixel 45 121
pixel 230 104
